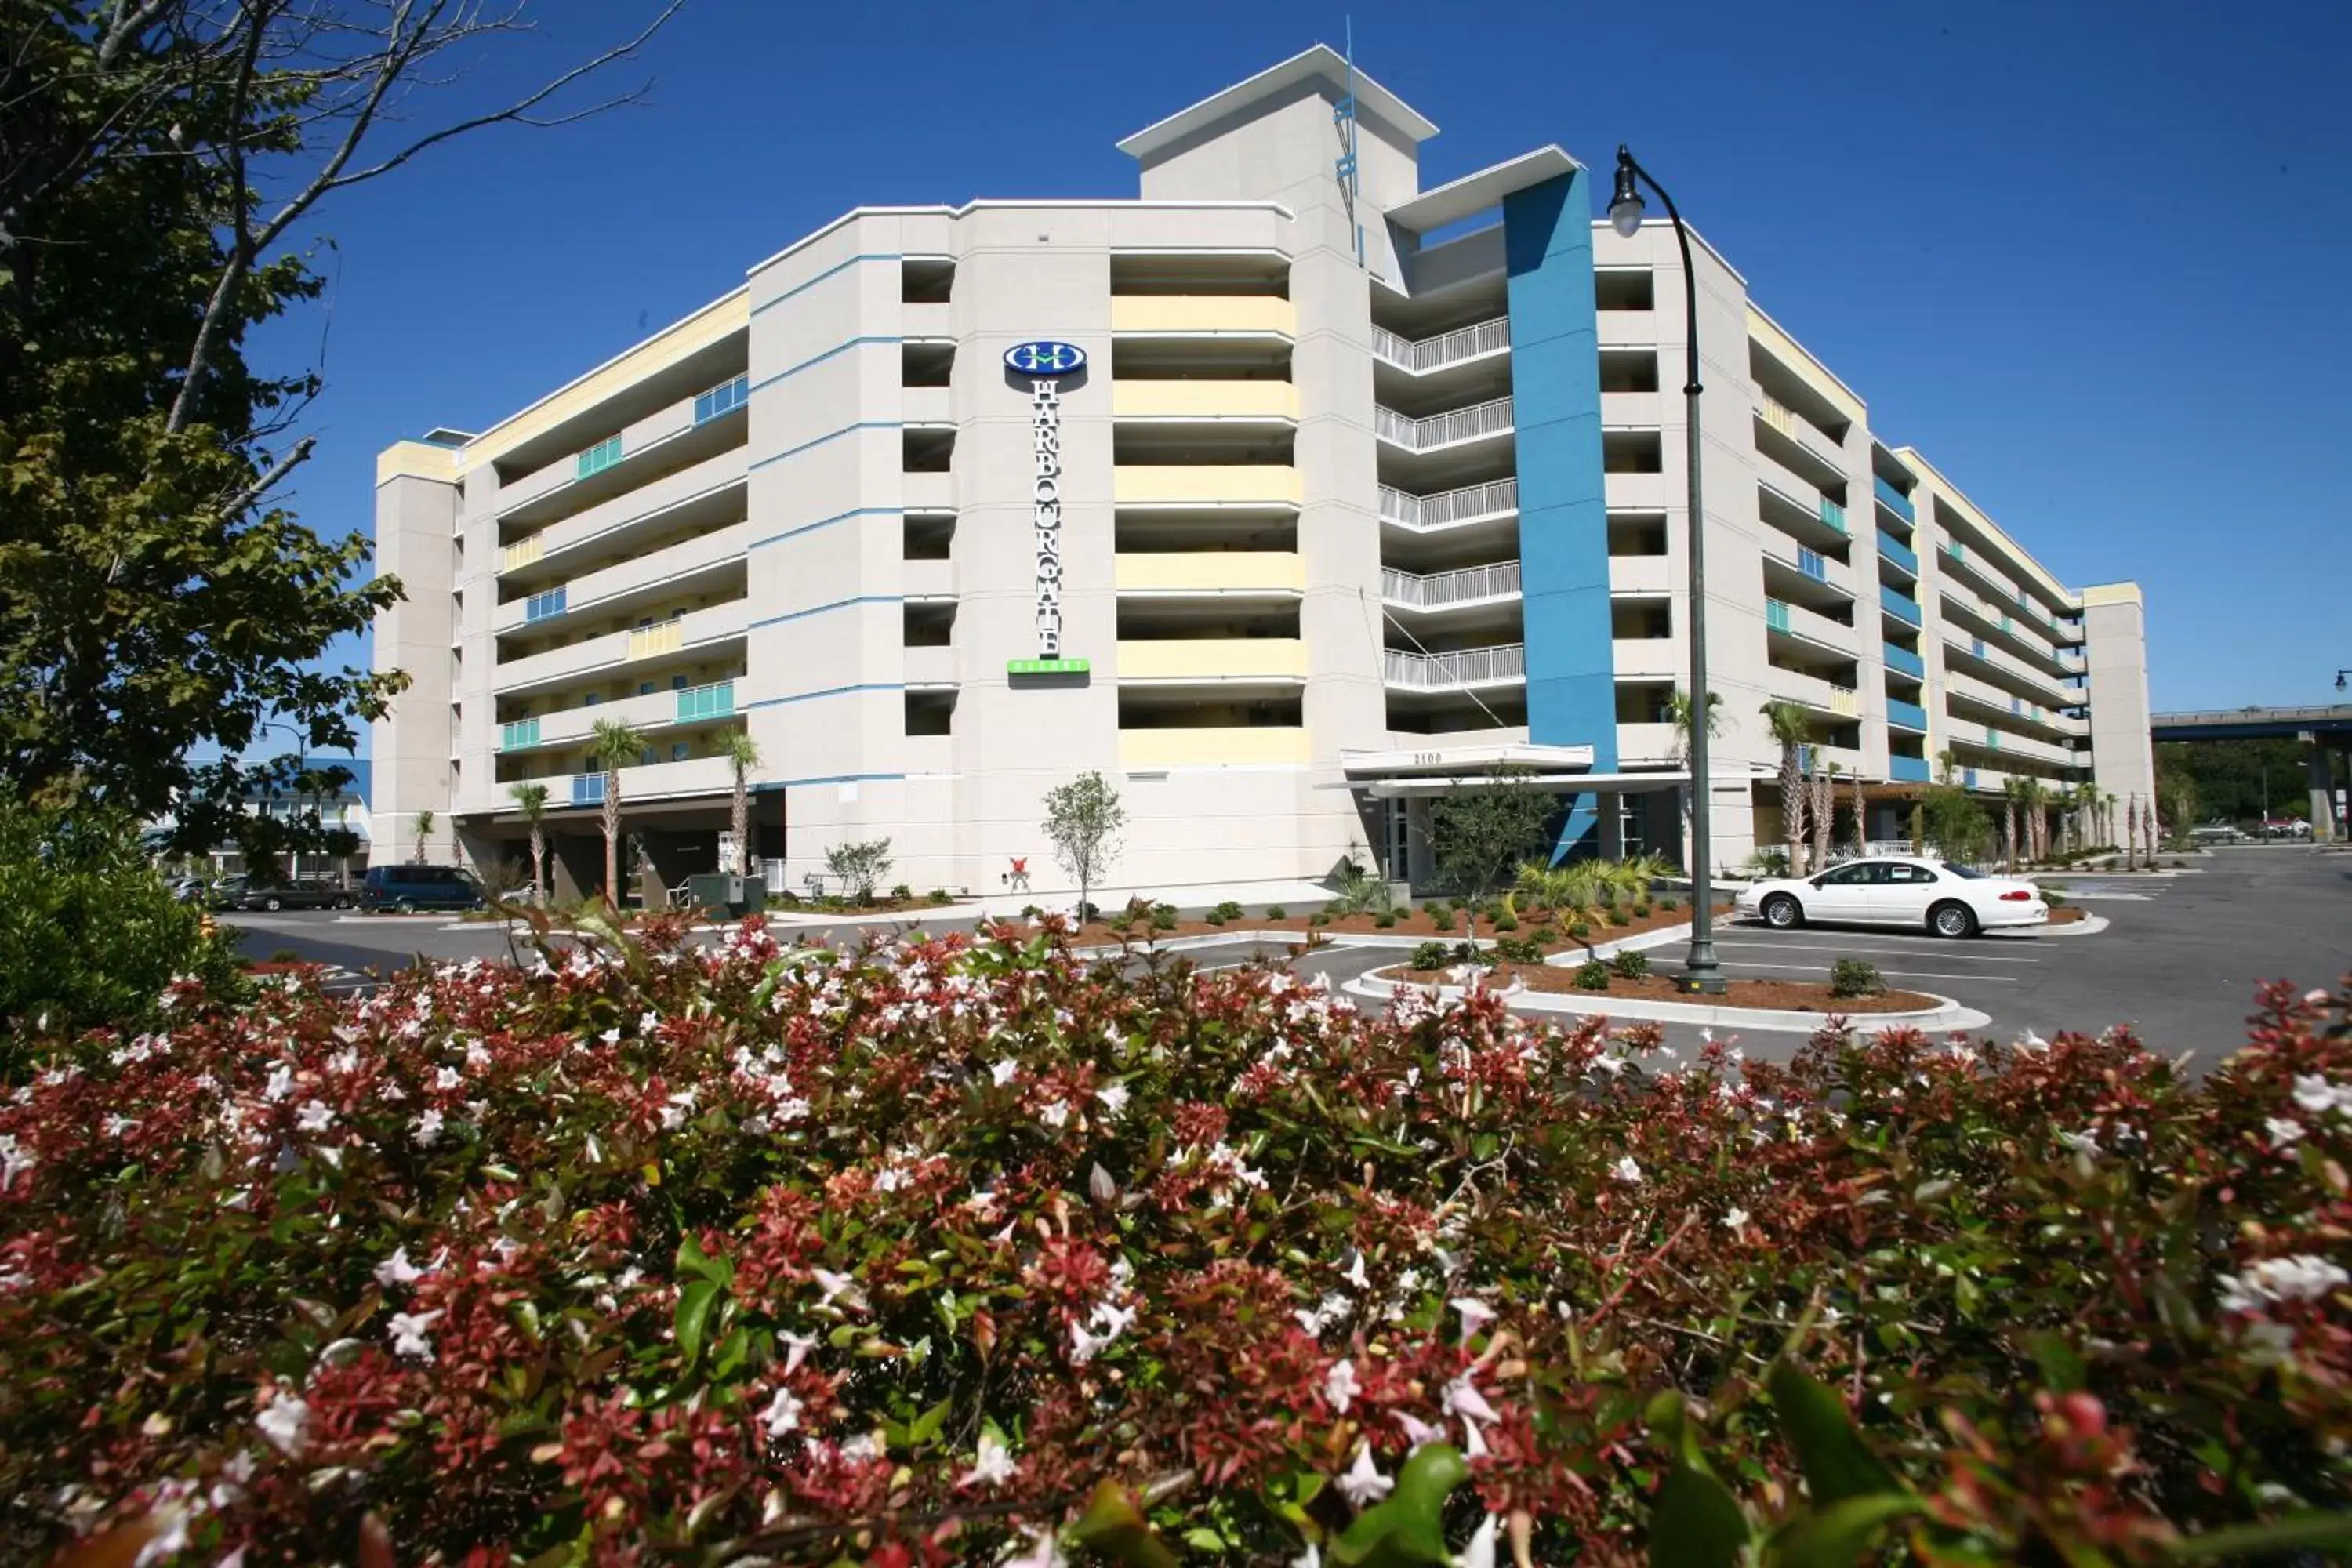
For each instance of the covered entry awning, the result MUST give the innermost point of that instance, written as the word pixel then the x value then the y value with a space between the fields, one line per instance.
pixel 1445 769
pixel 1602 784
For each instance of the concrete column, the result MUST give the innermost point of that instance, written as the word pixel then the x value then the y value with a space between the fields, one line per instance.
pixel 2323 795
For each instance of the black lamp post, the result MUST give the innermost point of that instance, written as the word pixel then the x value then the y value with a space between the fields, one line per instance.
pixel 1700 970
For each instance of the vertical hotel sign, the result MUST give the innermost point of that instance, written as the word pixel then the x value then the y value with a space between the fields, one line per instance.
pixel 1044 363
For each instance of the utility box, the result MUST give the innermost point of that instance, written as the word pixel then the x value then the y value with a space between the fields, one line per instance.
pixel 722 892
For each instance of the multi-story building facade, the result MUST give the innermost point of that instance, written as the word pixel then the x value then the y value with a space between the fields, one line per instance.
pixel 1363 491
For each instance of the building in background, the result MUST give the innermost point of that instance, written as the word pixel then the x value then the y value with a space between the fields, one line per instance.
pixel 277 796
pixel 1362 491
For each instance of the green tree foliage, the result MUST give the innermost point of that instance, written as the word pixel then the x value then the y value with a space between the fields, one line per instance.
pixel 2224 779
pixel 155 158
pixel 1956 827
pixel 89 934
pixel 1082 818
pixel 1479 835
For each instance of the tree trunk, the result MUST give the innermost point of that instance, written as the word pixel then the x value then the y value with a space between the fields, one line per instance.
pixel 742 825
pixel 613 839
pixel 1861 827
pixel 1824 799
pixel 537 861
pixel 1792 809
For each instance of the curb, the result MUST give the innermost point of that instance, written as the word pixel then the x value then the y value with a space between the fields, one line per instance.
pixel 1948 1016
pixel 2089 925
pixel 893 916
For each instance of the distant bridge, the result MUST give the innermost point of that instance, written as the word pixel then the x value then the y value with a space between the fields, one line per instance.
pixel 2329 726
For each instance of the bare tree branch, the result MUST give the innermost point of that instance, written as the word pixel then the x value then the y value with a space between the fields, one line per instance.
pixel 278 470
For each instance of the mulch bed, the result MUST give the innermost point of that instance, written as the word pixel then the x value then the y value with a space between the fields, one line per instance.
pixel 1414 924
pixel 2067 914
pixel 1783 996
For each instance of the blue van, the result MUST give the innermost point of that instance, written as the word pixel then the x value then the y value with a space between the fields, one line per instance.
pixel 404 889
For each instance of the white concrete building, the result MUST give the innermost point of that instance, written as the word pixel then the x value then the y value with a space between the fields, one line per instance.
pixel 1357 495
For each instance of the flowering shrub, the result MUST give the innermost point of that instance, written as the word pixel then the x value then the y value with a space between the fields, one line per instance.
pixel 962 1248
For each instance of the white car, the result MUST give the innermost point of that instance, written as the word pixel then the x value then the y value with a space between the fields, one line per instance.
pixel 1897 890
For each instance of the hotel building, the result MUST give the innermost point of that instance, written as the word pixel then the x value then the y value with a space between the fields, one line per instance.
pixel 1362 491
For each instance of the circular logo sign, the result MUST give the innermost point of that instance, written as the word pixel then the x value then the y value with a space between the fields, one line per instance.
pixel 1042 359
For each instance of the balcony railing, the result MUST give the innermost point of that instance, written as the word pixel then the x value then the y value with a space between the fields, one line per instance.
pixel 587 789
pixel 1463 667
pixel 1441 588
pixel 1910 715
pixel 1811 563
pixel 1905 660
pixel 1776 614
pixel 1496 497
pixel 544 606
pixel 1893 500
pixel 518 736
pixel 716 701
pixel 1455 426
pixel 1908 770
pixel 1902 606
pixel 1445 348
pixel 1903 555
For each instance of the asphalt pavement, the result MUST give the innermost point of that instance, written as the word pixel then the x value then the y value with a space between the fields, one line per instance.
pixel 2179 963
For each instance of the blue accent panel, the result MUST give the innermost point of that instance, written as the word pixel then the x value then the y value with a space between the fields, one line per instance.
pixel 836 267
pixel 828 692
pixel 1907 770
pixel 820 359
pixel 1893 500
pixel 825 522
pixel 1563 511
pixel 831 435
pixel 1581 831
pixel 772 786
pixel 821 609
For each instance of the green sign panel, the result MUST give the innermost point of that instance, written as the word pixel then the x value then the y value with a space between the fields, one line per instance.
pixel 1046 666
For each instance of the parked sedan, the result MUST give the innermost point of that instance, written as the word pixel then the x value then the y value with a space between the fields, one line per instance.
pixel 1898 890
pixel 303 893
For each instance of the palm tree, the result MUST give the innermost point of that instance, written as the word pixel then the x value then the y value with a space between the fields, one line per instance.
pixel 2009 805
pixel 531 799
pixel 1791 724
pixel 1860 825
pixel 1679 713
pixel 1824 809
pixel 613 745
pixel 423 833
pixel 743 754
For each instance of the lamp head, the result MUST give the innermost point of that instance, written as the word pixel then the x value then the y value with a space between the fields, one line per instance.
pixel 1625 205
pixel 2339 680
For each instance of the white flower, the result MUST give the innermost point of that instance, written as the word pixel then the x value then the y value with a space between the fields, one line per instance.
pixel 783 1414
pixel 2278 1280
pixel 285 1425
pixel 680 1106
pixel 1476 1314
pixel 1735 1219
pixel 14 1161
pixel 1340 1386
pixel 167 1536
pixel 840 1287
pixel 448 1078
pixel 994 1466
pixel 116 1126
pixel 1311 1558
pixel 1473 1442
pixel 1113 1098
pixel 280 1084
pixel 796 1350
pixel 314 1116
pixel 1463 1398
pixel 1356 1274
pixel 1480 1552
pixel 478 1055
pixel 1626 1170
pixel 427 1129
pixel 2283 1131
pixel 1044 1551
pixel 2086 1141
pixel 1417 1432
pixel 397 1270
pixel 1056 1114
pixel 1610 1065
pixel 2030 1042
pixel 1363 1485
pixel 343 1063
pixel 408 1331
pixel 1114 1321
pixel 648 1021
pixel 1002 1072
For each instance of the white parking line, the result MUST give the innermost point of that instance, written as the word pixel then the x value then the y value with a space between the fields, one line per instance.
pixel 1888 973
pixel 1743 943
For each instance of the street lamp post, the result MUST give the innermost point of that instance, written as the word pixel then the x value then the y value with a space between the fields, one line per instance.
pixel 1700 970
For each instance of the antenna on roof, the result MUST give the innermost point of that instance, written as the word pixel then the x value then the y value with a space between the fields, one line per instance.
pixel 1344 118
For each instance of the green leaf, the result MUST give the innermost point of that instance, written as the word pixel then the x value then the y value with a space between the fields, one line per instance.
pixel 2061 1369
pixel 1815 1421
pixel 2296 1532
pixel 926 1426
pixel 694 1304
pixel 730 1355
pixel 1833 1537
pixel 691 1259
pixel 1410 1526
pixel 1696 1524
pixel 1114 1525
pixel 1668 1421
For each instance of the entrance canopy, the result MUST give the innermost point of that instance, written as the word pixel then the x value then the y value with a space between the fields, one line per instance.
pixel 1444 770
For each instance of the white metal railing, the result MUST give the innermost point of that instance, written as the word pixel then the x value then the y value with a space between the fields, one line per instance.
pixel 1495 498
pixel 1442 588
pixel 1463 666
pixel 1442 429
pixel 1878 846
pixel 1445 348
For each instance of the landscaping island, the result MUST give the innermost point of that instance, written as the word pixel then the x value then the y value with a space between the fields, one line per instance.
pixel 1777 995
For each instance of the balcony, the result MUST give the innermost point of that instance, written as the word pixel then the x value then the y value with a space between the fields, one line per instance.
pixel 1646 742
pixel 1460 670
pixel 1906 715
pixel 931 668
pixel 1440 590
pixel 1893 500
pixel 1213 746
pixel 657 574
pixel 653 711
pixel 696 629
pixel 1796 431
pixel 1643 577
pixel 1803 575
pixel 1446 349
pixel 1904 661
pixel 1811 627
pixel 1902 606
pixel 1893 550
pixel 1185 486
pixel 1277 661
pixel 1798 510
pixel 1981 623
pixel 697 496
pixel 1479 422
pixel 928 493
pixel 927 320
pixel 1219 573
pixel 1202 316
pixel 1908 770
pixel 1962 684
pixel 1224 401
pixel 1489 502
pixel 1990 738
pixel 1818 693
pixel 1646 658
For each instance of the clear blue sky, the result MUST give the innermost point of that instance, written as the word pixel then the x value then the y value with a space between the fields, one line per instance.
pixel 2088 256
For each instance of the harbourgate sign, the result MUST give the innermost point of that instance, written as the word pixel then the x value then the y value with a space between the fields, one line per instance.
pixel 1044 363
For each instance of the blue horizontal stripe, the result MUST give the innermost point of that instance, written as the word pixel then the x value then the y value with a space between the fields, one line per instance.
pixel 820 359
pixel 770 788
pixel 826 522
pixel 836 267
pixel 828 692
pixel 821 609
pixel 831 435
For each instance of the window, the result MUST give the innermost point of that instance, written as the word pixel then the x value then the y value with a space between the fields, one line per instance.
pixel 677 683
pixel 678 751
pixel 1899 873
pixel 541 606
pixel 593 699
pixel 644 689
pixel 647 757
pixel 598 458
pixel 724 398
pixel 1853 876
